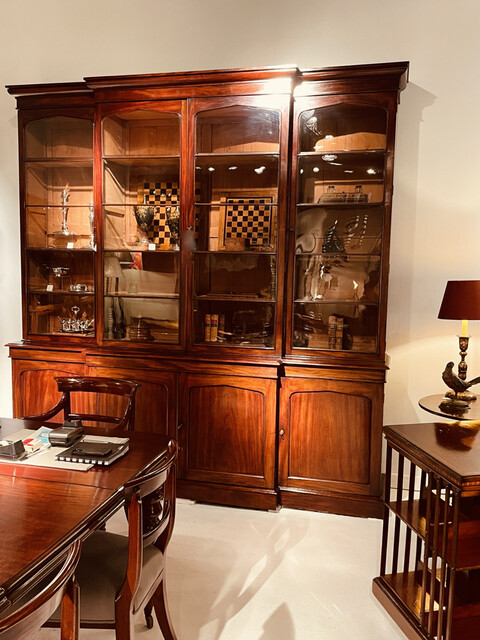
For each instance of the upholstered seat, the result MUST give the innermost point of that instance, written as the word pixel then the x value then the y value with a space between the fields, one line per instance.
pixel 105 555
pixel 120 575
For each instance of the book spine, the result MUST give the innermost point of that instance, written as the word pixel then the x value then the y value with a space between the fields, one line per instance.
pixel 332 331
pixel 208 327
pixel 221 326
pixel 214 327
pixel 339 334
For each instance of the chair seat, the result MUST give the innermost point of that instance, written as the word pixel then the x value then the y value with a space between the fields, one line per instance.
pixel 101 573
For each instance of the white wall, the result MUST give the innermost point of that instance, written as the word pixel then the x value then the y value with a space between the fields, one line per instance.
pixel 436 212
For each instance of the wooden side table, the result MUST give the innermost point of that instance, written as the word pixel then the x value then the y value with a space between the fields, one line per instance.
pixel 430 560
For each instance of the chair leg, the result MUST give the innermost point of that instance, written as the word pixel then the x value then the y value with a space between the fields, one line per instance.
pixel 159 600
pixel 70 621
pixel 148 615
pixel 123 622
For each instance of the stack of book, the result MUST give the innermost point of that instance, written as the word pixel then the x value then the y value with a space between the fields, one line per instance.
pixel 336 328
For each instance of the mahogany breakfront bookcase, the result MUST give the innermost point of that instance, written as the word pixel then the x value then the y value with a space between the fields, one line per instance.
pixel 221 237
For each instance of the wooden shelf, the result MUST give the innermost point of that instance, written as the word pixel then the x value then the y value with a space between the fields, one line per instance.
pixel 408 587
pixel 139 294
pixel 60 293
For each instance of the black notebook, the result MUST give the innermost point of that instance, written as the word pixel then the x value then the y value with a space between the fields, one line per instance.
pixel 101 453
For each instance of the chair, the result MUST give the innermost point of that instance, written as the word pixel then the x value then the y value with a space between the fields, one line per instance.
pixel 35 602
pixel 121 575
pixel 68 385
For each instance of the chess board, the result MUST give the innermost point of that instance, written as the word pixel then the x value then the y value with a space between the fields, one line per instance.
pixel 161 195
pixel 248 218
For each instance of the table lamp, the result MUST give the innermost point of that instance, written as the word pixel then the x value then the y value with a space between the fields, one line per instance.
pixel 461 301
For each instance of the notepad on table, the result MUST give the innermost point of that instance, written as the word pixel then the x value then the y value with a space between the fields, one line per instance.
pixel 102 453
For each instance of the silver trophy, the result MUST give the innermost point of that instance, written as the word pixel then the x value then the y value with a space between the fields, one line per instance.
pixel 64 230
pixel 91 219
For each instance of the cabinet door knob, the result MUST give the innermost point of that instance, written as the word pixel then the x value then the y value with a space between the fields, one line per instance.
pixel 281 433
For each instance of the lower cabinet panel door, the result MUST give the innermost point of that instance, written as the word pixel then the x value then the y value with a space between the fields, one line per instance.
pixel 35 388
pixel 330 435
pixel 155 400
pixel 229 429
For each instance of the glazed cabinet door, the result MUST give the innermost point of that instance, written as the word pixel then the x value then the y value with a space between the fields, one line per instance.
pixel 155 400
pixel 239 211
pixel 329 438
pixel 340 221
pixel 228 430
pixel 143 200
pixel 57 206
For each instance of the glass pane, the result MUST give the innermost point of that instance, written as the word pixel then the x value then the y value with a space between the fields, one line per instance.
pixel 131 182
pixel 234 277
pixel 143 132
pixel 238 129
pixel 339 230
pixel 60 271
pixel 51 227
pixel 350 327
pixel 234 323
pixel 145 274
pixel 47 181
pixel 237 224
pixel 62 314
pixel 142 228
pixel 236 176
pixel 341 178
pixel 344 278
pixel 142 296
pixel 139 319
pixel 343 128
pixel 230 299
pixel 59 137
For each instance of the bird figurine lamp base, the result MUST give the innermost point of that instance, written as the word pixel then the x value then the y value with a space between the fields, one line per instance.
pixel 467 396
pixel 459 389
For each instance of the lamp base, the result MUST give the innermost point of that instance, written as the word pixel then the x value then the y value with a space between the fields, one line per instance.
pixel 466 396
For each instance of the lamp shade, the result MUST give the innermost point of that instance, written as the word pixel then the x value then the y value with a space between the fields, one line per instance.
pixel 461 300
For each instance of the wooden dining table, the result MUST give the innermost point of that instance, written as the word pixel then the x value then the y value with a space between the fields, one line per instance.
pixel 43 509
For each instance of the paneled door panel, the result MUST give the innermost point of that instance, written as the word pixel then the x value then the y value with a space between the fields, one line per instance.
pixel 229 434
pixel 318 425
pixel 35 380
pixel 330 435
pixel 155 401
